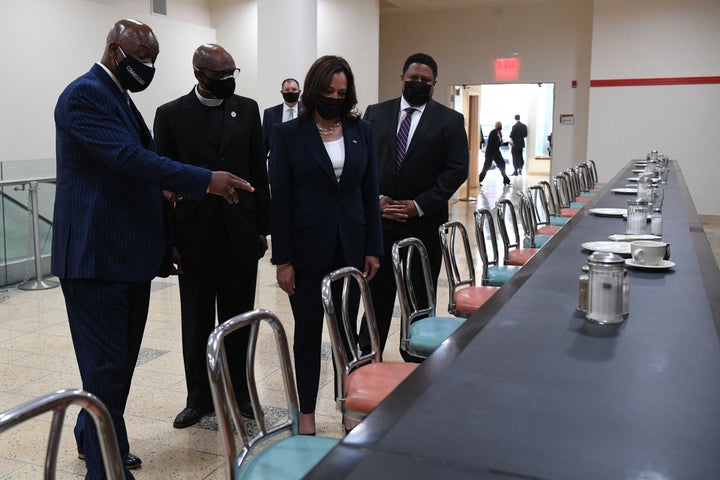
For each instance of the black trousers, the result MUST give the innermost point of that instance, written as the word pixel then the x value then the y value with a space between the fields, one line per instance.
pixel 517 156
pixel 308 313
pixel 383 288
pixel 107 321
pixel 228 286
pixel 499 161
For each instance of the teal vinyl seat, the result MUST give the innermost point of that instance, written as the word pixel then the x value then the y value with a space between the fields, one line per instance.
pixel 285 454
pixel 421 330
pixel 494 274
pixel 288 458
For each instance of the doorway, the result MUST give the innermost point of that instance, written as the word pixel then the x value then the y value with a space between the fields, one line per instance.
pixel 501 102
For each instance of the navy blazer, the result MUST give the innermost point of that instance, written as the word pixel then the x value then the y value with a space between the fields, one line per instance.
pixel 182 133
pixel 436 161
pixel 272 116
pixel 311 209
pixel 108 219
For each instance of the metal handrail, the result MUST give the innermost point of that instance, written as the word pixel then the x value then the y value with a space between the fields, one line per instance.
pixel 39 283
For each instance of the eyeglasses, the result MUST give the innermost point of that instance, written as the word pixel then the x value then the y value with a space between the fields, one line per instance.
pixel 220 74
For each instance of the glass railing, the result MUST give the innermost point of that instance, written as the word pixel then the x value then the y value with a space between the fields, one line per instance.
pixel 18 259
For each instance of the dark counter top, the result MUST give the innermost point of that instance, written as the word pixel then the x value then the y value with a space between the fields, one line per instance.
pixel 528 389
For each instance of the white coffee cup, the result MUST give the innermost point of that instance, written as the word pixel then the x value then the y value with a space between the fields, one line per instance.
pixel 648 252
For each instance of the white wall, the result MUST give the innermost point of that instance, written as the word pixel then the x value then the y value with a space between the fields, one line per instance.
pixel 48 43
pixel 552 38
pixel 657 39
pixel 350 29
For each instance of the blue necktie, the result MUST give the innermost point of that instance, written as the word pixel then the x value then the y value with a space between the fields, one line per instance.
pixel 402 138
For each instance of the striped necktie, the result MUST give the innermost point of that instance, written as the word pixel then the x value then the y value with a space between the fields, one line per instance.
pixel 402 138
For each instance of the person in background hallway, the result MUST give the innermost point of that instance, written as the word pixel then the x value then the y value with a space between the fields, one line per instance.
pixel 517 140
pixel 217 244
pixel 423 157
pixel 325 209
pixel 289 109
pixel 492 154
pixel 109 238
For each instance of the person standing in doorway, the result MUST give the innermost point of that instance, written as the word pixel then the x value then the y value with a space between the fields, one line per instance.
pixel 517 140
pixel 217 246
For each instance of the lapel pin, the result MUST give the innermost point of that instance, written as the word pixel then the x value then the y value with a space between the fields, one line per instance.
pixel 233 114
pixel 354 141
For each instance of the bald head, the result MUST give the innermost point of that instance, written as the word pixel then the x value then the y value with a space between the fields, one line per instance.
pixel 212 57
pixel 133 38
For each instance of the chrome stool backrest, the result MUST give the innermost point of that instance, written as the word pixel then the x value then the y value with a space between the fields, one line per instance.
pixel 484 224
pixel 58 402
pixel 405 252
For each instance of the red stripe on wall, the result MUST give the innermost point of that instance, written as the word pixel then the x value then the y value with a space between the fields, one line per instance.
pixel 634 82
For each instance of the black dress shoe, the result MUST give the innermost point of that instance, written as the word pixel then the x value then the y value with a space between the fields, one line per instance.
pixel 506 181
pixel 188 417
pixel 130 461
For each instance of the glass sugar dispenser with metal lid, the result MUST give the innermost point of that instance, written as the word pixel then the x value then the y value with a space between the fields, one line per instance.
pixel 606 288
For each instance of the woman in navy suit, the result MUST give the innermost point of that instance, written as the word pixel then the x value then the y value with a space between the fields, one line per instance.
pixel 325 208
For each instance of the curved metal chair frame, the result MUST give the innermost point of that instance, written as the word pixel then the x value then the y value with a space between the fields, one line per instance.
pixel 459 286
pixel 564 193
pixel 587 185
pixel 576 192
pixel 493 274
pixel 541 207
pixel 593 171
pixel 362 380
pixel 421 330
pixel 510 245
pixel 58 402
pixel 290 457
pixel 533 238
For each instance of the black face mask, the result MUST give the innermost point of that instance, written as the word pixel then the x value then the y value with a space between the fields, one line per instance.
pixel 133 74
pixel 330 108
pixel 416 93
pixel 221 88
pixel 291 97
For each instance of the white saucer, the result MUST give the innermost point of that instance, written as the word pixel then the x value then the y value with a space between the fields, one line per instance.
pixel 664 265
pixel 626 191
pixel 636 179
pixel 631 237
pixel 621 248
pixel 608 212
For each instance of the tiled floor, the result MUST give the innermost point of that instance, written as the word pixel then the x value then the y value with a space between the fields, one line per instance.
pixel 36 357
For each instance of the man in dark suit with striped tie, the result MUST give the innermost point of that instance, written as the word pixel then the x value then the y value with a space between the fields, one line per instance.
pixel 108 233
pixel 423 156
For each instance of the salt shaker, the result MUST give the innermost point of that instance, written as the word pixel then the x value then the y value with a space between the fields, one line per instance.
pixel 583 288
pixel 656 221
pixel 644 186
pixel 605 287
pixel 637 210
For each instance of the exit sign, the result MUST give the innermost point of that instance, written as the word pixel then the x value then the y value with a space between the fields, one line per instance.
pixel 507 68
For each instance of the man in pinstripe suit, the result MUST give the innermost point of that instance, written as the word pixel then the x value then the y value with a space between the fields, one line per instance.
pixel 108 235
